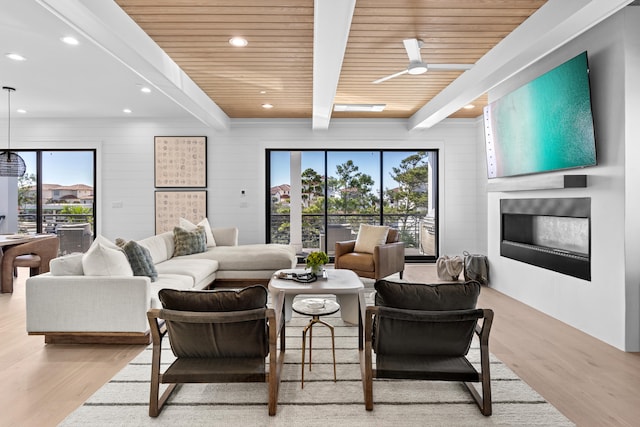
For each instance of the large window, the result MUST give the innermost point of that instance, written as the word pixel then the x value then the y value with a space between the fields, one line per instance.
pixel 316 198
pixel 57 195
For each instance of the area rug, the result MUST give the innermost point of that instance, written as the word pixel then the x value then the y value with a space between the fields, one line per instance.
pixel 123 401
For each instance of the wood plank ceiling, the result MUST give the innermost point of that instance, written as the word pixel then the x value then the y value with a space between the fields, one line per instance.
pixel 277 65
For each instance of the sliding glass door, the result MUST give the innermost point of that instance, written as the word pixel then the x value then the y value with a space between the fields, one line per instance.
pixel 57 195
pixel 409 198
pixel 353 195
pixel 319 197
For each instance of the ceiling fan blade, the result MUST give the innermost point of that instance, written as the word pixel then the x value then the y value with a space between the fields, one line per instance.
pixel 384 79
pixel 450 67
pixel 412 46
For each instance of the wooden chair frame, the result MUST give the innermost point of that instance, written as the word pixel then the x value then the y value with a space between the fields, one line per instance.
pixel 482 329
pixel 44 247
pixel 230 372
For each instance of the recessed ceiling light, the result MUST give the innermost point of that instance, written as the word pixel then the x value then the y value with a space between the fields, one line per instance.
pixel 263 92
pixel 70 40
pixel 267 106
pixel 127 111
pixel 373 108
pixel 15 57
pixel 238 41
pixel 145 89
pixel 21 111
pixel 469 106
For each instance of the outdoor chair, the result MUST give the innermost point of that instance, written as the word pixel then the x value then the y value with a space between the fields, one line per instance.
pixel 424 332
pixel 217 337
pixel 369 258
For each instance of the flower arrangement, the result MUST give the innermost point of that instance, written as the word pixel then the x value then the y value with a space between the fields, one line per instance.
pixel 315 261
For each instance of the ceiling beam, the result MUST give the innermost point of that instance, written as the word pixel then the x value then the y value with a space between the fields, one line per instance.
pixel 553 25
pixel 110 28
pixel 332 22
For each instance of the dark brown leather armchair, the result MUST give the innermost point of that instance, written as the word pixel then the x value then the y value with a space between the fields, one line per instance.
pixel 35 254
pixel 385 260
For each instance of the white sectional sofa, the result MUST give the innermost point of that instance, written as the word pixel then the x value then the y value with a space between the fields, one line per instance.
pixel 68 306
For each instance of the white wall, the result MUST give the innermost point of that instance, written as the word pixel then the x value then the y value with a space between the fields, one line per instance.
pixel 632 176
pixel 607 306
pixel 236 162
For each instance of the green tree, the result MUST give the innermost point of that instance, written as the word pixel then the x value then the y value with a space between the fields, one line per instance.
pixel 85 214
pixel 312 186
pixel 26 191
pixel 354 190
pixel 410 198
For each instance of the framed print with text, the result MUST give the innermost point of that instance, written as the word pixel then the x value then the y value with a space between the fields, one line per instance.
pixel 172 205
pixel 180 161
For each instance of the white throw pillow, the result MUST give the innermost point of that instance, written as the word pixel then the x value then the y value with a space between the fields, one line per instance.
pixel 101 260
pixel 370 236
pixel 189 226
pixel 100 239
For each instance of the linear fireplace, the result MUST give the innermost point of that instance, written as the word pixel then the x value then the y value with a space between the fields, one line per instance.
pixel 549 233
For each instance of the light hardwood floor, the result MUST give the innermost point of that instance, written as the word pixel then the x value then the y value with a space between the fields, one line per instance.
pixel 590 382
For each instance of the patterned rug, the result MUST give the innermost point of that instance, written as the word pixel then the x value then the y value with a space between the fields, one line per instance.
pixel 123 401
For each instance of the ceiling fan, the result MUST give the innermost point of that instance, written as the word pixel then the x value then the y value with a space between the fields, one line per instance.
pixel 416 66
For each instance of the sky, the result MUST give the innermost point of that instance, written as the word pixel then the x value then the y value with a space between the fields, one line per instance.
pixel 368 162
pixel 76 167
pixel 62 167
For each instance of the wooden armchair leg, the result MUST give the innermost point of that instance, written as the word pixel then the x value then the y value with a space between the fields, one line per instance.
pixel 276 361
pixel 155 405
pixel 367 383
pixel 484 401
pixel 366 372
pixel 486 397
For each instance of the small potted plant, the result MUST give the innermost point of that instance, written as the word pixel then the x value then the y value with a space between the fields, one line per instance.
pixel 315 261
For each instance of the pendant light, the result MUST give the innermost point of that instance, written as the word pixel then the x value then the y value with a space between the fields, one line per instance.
pixel 11 164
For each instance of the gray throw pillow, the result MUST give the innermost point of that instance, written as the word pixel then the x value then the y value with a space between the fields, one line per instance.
pixel 189 242
pixel 420 296
pixel 140 260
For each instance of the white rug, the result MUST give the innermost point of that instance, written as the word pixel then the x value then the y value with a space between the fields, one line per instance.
pixel 124 400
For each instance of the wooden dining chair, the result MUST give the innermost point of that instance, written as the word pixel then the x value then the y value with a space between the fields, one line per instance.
pixel 34 254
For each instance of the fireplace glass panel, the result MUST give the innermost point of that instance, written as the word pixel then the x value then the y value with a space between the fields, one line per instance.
pixel 569 234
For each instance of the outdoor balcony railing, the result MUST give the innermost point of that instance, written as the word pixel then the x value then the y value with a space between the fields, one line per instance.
pixel 417 232
pixel 50 222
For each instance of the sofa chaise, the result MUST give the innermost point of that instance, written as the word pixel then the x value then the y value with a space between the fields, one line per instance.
pixel 107 303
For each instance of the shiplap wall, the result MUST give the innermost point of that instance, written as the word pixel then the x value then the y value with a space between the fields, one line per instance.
pixel 236 162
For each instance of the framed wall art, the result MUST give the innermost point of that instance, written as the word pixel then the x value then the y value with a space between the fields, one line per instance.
pixel 172 205
pixel 180 161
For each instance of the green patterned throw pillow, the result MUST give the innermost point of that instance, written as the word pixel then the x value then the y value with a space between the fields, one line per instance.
pixel 140 260
pixel 189 242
